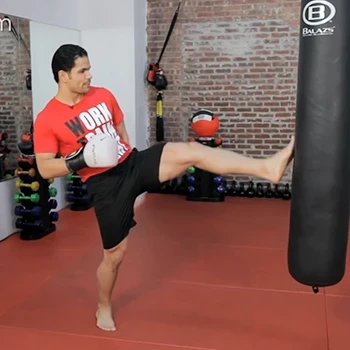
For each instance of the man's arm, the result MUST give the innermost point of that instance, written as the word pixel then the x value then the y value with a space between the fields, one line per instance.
pixel 99 152
pixel 118 117
pixel 46 147
pixel 121 129
pixel 49 166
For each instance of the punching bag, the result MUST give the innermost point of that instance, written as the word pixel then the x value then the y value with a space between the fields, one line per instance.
pixel 319 216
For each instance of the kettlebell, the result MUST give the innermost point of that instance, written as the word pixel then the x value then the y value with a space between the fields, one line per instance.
pixel 241 191
pixel 250 193
pixel 287 194
pixel 268 192
pixel 277 192
pixel 233 189
pixel 259 190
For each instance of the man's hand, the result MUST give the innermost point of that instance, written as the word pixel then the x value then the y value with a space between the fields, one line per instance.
pixel 100 152
pixel 121 129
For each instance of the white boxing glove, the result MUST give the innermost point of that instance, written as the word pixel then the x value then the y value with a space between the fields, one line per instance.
pixel 101 151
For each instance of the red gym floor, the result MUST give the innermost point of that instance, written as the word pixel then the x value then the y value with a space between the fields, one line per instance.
pixel 196 276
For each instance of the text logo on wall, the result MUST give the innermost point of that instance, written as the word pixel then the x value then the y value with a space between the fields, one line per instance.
pixel 5 24
pixel 318 13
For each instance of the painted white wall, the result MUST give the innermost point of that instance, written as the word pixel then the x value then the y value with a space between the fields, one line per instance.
pixel 114 34
pixel 63 13
pixel 111 56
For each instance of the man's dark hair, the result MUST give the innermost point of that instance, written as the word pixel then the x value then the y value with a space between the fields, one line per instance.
pixel 64 58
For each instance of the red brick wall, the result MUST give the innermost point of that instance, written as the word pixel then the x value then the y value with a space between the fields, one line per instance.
pixel 238 59
pixel 15 99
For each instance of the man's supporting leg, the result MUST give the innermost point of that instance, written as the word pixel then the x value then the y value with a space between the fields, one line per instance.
pixel 107 274
pixel 177 157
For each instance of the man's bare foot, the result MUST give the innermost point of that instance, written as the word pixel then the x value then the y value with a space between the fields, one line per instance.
pixel 276 165
pixel 105 319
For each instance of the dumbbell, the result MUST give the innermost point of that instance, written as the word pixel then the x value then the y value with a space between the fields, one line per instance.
pixel 20 223
pixel 28 160
pixel 34 186
pixel 191 189
pixel 20 210
pixel 221 189
pixel 54 216
pixel 191 170
pixel 35 198
pixel 191 179
pixel 70 177
pixel 52 192
pixel 71 187
pixel 217 180
pixel 30 172
pixel 52 204
pixel 71 198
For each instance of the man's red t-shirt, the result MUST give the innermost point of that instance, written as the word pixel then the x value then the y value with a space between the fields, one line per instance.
pixel 61 129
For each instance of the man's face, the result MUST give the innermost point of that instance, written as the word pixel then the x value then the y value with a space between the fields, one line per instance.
pixel 78 80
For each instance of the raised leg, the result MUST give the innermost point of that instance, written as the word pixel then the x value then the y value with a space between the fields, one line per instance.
pixel 177 157
pixel 107 274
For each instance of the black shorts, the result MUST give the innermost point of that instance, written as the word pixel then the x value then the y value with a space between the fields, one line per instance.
pixel 114 192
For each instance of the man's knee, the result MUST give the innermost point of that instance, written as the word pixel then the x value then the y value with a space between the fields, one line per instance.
pixel 177 157
pixel 184 153
pixel 114 257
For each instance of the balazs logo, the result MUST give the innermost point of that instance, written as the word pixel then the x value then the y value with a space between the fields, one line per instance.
pixel 318 13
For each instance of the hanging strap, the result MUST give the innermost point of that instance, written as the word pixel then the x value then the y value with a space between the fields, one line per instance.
pixel 172 25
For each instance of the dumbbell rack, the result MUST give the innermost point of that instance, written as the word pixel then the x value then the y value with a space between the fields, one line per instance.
pixel 77 195
pixel 204 186
pixel 34 196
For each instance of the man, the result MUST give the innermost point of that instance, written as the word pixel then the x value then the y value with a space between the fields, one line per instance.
pixel 82 129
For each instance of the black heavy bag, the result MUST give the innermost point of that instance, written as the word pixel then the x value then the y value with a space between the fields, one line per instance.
pixel 320 202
